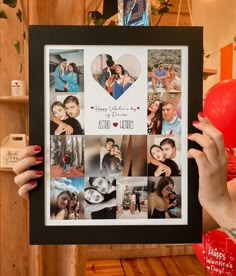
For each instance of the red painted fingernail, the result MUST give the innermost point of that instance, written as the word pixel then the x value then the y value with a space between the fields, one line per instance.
pixel 39 158
pixel 36 148
pixel 196 122
pixel 190 134
pixel 39 172
pixel 201 114
pixel 33 183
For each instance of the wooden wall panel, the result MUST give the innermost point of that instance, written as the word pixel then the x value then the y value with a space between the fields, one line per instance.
pixel 57 12
pixel 17 257
pixel 13 119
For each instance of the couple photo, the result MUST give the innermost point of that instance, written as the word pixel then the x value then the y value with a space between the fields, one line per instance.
pixel 99 198
pixel 66 117
pixel 163 117
pixel 132 197
pixel 115 76
pixel 164 156
pixel 66 70
pixel 164 71
pixel 116 155
pixel 65 198
pixel 111 162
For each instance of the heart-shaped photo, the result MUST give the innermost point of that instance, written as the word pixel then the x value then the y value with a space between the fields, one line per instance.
pixel 115 76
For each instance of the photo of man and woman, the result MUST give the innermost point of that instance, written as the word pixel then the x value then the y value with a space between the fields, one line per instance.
pixel 111 161
pixel 115 175
pixel 99 198
pixel 164 92
pixel 65 198
pixel 132 198
pixel 66 117
pixel 163 117
pixel 115 155
pixel 164 70
pixel 66 69
pixel 115 76
pixel 164 155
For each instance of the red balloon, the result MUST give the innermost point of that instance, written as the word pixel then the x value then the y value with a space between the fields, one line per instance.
pixel 217 253
pixel 231 165
pixel 220 108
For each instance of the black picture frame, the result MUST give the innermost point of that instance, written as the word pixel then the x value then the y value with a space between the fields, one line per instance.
pixel 39 36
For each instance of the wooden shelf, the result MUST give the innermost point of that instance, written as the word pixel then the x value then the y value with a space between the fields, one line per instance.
pixel 14 99
pixel 208 72
pixel 6 170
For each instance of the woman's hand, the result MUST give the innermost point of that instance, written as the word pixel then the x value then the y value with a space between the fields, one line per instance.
pixel 25 178
pixel 118 155
pixel 162 169
pixel 215 196
pixel 60 129
pixel 166 169
pixel 212 164
pixel 68 129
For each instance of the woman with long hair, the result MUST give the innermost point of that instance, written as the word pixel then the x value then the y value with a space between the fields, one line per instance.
pixel 154 117
pixel 58 110
pixel 117 84
pixel 72 78
pixel 98 205
pixel 159 200
pixel 59 207
pixel 156 152
pixel 112 163
pixel 172 81
pixel 72 207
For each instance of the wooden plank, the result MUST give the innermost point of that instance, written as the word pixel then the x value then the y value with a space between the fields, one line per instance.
pixel 6 170
pixel 111 251
pixel 71 260
pixel 159 266
pixel 208 72
pixel 104 268
pixel 57 12
pixel 170 266
pixel 13 234
pixel 143 266
pixel 14 99
pixel 189 265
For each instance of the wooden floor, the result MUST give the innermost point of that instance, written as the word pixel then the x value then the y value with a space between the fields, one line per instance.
pixel 157 266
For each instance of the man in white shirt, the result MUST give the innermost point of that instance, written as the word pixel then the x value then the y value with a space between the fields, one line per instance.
pixel 171 124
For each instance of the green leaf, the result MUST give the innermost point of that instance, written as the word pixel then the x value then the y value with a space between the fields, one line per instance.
pixel 17 46
pixel 3 14
pixel 99 22
pixel 112 23
pixel 21 67
pixel 19 15
pixel 10 3
pixel 154 10
pixel 89 19
pixel 163 10
pixel 95 15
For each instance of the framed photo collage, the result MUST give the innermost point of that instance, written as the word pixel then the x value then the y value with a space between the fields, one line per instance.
pixel 112 108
